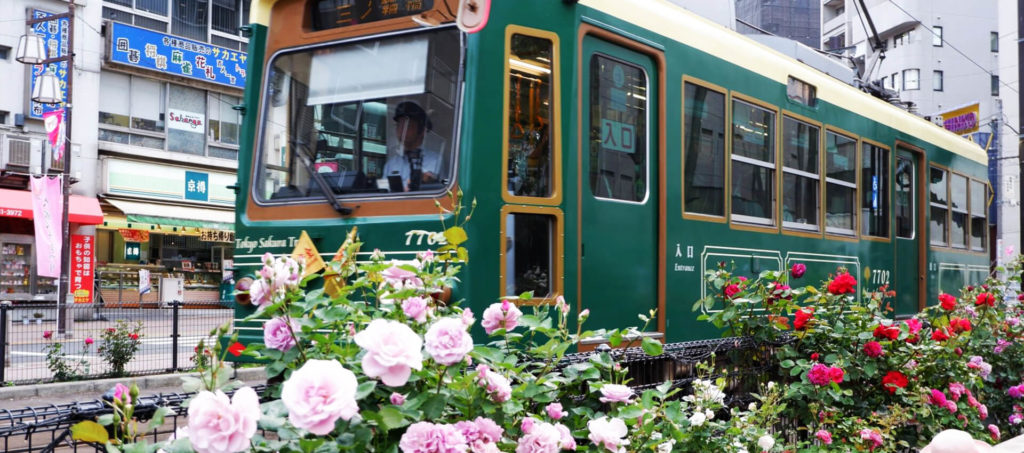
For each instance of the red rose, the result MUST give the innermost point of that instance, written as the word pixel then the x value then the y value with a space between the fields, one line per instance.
pixel 134 336
pixel 894 380
pixel 780 322
pixel 803 316
pixel 836 374
pixel 48 334
pixel 814 356
pixel 731 290
pixel 985 299
pixel 88 340
pixel 797 270
pixel 947 301
pixel 940 334
pixel 111 329
pixel 890 332
pixel 843 284
pixel 960 325
pixel 873 349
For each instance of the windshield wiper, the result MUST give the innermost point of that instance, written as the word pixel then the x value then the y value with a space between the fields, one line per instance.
pixel 306 157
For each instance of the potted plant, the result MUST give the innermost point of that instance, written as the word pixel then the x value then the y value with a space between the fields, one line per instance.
pixel 38 316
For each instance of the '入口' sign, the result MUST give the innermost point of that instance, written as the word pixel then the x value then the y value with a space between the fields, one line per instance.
pixel 172 55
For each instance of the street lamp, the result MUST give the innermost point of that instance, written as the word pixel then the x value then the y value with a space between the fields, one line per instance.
pixel 32 50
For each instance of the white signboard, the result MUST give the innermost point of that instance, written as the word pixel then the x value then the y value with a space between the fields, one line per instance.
pixel 186 121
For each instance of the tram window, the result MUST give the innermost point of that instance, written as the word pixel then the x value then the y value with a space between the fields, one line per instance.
pixel 618 130
pixel 905 183
pixel 753 163
pixel 958 211
pixel 800 174
pixel 938 183
pixel 874 176
pixel 979 224
pixel 383 130
pixel 840 183
pixel 528 254
pixel 704 176
pixel 529 116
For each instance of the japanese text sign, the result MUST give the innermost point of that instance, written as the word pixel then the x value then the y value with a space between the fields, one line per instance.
pixel 55 35
pixel 197 185
pixel 82 266
pixel 169 54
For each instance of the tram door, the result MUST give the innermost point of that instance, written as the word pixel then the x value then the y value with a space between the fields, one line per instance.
pixel 909 237
pixel 618 203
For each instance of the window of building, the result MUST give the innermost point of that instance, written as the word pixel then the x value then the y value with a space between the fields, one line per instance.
pixel 618 99
pixel 938 199
pixel 800 174
pixel 226 16
pixel 894 81
pixel 753 163
pixel 802 92
pixel 3 116
pixel 905 183
pixel 5 52
pixel 937 80
pixel 213 21
pixel 186 107
pixel 874 203
pixel 995 85
pixel 139 20
pixel 979 223
pixel 704 151
pixel 223 125
pixel 937 36
pixel 911 79
pixel 885 82
pixel 994 41
pixel 840 184
pixel 529 130
pixel 958 211
pixel 190 19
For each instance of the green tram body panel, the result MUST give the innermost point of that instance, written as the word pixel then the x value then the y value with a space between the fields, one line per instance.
pixel 690 246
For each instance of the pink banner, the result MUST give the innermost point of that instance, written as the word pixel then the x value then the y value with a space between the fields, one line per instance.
pixel 54 123
pixel 48 212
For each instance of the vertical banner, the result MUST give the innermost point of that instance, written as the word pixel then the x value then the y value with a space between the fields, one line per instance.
pixel 55 34
pixel 47 212
pixel 81 268
pixel 144 285
pixel 54 123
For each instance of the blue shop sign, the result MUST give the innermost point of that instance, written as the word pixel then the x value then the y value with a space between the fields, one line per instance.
pixel 197 186
pixel 168 54
pixel 55 35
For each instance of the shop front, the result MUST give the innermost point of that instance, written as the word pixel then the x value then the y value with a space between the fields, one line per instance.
pixel 166 237
pixel 19 280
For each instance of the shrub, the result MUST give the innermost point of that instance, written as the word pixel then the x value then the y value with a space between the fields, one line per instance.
pixel 119 344
pixel 63 368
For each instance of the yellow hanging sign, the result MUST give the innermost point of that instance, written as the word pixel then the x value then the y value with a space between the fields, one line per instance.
pixel 306 251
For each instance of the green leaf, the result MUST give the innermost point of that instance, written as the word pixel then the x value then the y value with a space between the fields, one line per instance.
pixel 365 389
pixel 89 431
pixel 158 417
pixel 615 339
pixel 651 346
pixel 433 407
pixel 391 418
pixel 106 419
pixel 455 235
pixel 787 363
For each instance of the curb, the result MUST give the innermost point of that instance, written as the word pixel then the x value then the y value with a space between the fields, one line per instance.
pixel 93 389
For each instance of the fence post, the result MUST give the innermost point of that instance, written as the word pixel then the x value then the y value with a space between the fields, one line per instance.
pixel 5 307
pixel 175 311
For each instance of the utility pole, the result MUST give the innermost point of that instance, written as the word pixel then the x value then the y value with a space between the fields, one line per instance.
pixel 1020 120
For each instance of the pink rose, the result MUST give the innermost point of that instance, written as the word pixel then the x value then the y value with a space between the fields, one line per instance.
pixel 993 430
pixel 217 424
pixel 950 405
pixel 561 305
pixel 276 333
pixel 542 438
pixel 567 441
pixel 317 394
pixel 401 279
pixel 873 349
pixel 259 292
pixel 479 432
pixel 983 412
pixel 607 433
pixel 467 317
pixel 819 374
pixel 554 411
pixel 956 389
pixel 497 386
pixel 937 398
pixel 824 436
pixel 501 316
pixel 873 436
pixel 798 270
pixel 426 437
pixel 397 399
pixel 88 341
pixel 416 308
pixel 447 341
pixel 392 351
pixel 527 425
pixel 615 393
pixel 122 393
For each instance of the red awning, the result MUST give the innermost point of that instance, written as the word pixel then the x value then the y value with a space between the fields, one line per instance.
pixel 18 203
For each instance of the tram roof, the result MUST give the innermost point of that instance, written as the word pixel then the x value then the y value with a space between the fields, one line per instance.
pixel 676 23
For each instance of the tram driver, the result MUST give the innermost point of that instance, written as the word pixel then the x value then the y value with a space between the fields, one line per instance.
pixel 409 165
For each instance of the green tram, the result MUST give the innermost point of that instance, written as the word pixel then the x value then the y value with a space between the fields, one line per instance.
pixel 618 150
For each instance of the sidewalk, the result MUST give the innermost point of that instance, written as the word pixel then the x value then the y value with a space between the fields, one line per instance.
pixel 23 396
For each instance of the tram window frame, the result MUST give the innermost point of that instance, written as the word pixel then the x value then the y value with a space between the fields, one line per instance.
pixel 937 205
pixel 848 184
pixel 809 171
pixel 555 251
pixel 873 223
pixel 513 159
pixel 735 159
pixel 978 210
pixel 711 149
pixel 958 185
pixel 605 183
pixel 911 190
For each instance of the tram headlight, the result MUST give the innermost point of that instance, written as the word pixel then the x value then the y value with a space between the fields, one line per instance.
pixel 242 291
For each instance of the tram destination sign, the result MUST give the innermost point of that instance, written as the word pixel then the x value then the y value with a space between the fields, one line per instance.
pixel 343 13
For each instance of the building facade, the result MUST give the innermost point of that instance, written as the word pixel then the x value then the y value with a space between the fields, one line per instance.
pixel 940 59
pixel 154 140
pixel 798 20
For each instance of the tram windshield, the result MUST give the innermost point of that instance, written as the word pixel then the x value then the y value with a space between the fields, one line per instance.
pixel 369 118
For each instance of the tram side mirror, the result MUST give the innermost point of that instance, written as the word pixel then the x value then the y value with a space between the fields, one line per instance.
pixel 473 14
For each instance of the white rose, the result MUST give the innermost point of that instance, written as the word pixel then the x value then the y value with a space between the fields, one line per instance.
pixel 752 407
pixel 710 414
pixel 766 442
pixel 697 419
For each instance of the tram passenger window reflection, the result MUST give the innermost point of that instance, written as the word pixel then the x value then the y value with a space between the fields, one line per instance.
pixel 704 168
pixel 753 164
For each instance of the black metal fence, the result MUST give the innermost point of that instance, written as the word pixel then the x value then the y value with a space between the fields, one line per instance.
pixel 167 339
